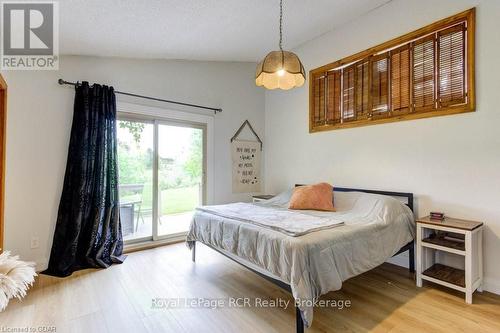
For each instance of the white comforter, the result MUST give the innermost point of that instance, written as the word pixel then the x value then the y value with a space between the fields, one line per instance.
pixel 375 228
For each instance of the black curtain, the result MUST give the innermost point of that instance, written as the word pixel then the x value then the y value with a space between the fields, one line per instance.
pixel 88 230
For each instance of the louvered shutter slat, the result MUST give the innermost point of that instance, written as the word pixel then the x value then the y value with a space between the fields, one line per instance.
pixel 319 100
pixel 362 89
pixel 423 74
pixel 451 65
pixel 348 93
pixel 333 115
pixel 380 85
pixel 400 80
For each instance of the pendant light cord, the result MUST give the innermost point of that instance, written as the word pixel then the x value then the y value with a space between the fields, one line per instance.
pixel 281 24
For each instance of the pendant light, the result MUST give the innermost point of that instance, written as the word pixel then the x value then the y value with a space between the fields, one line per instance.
pixel 280 69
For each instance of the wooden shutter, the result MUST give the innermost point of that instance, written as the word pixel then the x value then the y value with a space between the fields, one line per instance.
pixel 380 84
pixel 348 74
pixel 362 89
pixel 400 80
pixel 333 110
pixel 424 74
pixel 451 64
pixel 319 100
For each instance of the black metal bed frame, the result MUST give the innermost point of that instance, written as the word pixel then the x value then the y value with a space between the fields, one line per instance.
pixel 298 316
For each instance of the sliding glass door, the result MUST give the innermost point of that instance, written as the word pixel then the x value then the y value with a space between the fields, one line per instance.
pixel 135 178
pixel 180 176
pixel 161 176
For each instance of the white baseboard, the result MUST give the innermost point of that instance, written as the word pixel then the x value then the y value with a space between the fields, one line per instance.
pixel 41 265
pixel 493 286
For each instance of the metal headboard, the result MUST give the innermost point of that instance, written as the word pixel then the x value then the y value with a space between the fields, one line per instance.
pixel 408 196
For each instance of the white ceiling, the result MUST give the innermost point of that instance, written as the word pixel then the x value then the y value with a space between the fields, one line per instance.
pixel 223 30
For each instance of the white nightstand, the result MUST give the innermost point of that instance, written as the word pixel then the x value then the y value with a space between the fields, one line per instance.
pixel 461 237
pixel 262 197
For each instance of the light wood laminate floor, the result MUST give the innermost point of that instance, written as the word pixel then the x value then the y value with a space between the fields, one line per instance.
pixel 119 299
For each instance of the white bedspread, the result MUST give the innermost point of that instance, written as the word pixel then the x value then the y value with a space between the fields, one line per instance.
pixel 375 228
pixel 289 222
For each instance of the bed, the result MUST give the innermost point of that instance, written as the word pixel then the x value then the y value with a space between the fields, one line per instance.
pixel 368 228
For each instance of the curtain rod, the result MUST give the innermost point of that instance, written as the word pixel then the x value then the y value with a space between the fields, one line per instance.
pixel 215 110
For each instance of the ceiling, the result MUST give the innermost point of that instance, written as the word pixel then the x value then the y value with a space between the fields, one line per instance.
pixel 221 30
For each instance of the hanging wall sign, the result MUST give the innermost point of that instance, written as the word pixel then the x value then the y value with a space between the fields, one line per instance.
pixel 246 161
pixel 246 166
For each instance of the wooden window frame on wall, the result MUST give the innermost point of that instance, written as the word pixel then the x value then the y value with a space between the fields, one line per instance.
pixel 3 133
pixel 467 16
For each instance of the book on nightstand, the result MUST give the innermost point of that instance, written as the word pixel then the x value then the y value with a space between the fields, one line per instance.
pixel 436 216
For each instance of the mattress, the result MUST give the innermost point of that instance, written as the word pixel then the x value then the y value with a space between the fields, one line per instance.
pixel 375 228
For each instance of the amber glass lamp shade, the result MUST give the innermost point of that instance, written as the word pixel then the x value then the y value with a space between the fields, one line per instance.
pixel 280 70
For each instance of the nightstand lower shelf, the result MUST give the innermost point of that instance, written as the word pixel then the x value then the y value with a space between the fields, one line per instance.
pixel 446 274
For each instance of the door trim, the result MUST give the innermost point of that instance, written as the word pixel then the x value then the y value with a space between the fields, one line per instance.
pixel 3 140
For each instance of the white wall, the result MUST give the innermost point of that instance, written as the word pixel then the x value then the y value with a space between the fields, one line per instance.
pixel 451 163
pixel 39 122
